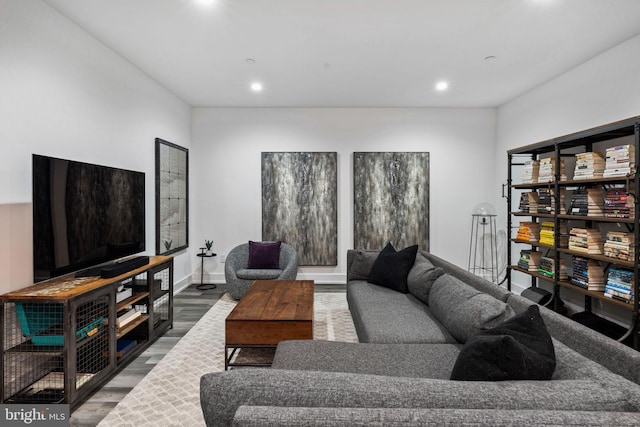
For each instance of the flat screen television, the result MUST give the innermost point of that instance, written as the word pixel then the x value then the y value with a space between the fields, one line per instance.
pixel 84 215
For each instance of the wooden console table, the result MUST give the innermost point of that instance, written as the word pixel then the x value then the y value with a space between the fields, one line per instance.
pixel 65 337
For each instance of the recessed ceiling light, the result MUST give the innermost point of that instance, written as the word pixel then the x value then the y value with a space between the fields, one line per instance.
pixel 441 86
pixel 489 58
pixel 206 2
pixel 256 86
pixel 250 61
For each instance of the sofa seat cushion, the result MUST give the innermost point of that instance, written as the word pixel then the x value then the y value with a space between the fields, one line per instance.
pixel 258 274
pixel 260 416
pixel 464 310
pixel 396 360
pixel 221 393
pixel 382 315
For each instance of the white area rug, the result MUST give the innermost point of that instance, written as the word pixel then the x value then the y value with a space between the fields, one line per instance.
pixel 170 394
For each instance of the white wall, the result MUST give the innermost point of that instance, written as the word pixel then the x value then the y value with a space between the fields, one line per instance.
pixel 226 183
pixel 66 95
pixel 603 90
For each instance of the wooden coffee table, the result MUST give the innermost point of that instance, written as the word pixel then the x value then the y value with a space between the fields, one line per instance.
pixel 271 311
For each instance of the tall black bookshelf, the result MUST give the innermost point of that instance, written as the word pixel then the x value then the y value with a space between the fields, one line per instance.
pixel 565 148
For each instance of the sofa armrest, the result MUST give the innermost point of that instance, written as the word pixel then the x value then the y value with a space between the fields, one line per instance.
pixel 222 393
pixel 259 416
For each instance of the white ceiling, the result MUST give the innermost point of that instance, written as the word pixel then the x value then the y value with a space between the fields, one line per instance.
pixel 354 53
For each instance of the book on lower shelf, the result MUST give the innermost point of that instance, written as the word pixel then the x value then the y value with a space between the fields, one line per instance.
pixel 588 274
pixel 127 317
pixel 620 284
pixel 548 268
pixel 529 259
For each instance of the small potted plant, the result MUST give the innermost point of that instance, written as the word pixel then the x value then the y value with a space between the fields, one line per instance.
pixel 208 244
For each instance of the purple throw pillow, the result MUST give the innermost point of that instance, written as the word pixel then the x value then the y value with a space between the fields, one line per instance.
pixel 264 255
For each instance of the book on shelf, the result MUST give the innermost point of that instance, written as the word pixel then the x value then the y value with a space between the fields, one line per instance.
pixel 588 274
pixel 619 245
pixel 127 317
pixel 619 284
pixel 547 200
pixel 528 231
pixel 529 259
pixel 620 161
pixel 589 165
pixel 579 204
pixel 533 201
pixel 586 240
pixel 548 234
pixel 524 203
pixel 547 268
pixel 619 204
pixel 595 202
pixel 530 171
pixel 547 170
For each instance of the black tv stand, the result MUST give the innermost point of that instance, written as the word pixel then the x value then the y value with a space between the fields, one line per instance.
pixel 114 269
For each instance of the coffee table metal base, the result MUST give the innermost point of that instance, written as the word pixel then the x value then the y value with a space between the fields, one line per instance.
pixel 228 356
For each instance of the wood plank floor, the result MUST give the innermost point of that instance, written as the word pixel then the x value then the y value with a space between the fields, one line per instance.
pixel 189 306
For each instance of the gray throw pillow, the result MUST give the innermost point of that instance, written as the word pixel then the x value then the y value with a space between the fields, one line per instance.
pixel 421 278
pixel 464 310
pixel 362 263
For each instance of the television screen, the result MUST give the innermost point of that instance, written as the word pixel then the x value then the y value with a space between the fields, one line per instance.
pixel 84 215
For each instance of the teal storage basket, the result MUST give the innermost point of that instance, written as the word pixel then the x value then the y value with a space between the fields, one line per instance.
pixel 42 323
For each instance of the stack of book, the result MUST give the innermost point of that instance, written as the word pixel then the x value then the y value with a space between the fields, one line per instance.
pixel 595 202
pixel 619 284
pixel 127 317
pixel 529 260
pixel 530 172
pixel 547 172
pixel 549 234
pixel 524 203
pixel 547 200
pixel 619 245
pixel 528 231
pixel 588 274
pixel 619 204
pixel 533 201
pixel 586 240
pixel 589 165
pixel 547 268
pixel 579 203
pixel 620 161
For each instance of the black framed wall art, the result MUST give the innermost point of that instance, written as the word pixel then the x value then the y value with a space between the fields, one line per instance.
pixel 172 197
pixel 391 199
pixel 299 204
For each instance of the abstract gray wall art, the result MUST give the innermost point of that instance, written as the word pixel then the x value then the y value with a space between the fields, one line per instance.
pixel 172 197
pixel 391 200
pixel 299 204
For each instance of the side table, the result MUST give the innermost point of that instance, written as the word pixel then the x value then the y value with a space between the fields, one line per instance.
pixel 204 286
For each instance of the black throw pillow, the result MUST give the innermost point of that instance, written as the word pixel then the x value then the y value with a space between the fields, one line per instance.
pixel 517 349
pixel 391 268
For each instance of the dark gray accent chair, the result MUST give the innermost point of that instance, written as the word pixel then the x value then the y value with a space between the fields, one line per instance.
pixel 238 277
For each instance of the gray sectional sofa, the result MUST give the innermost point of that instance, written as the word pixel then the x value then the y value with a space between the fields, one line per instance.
pixel 399 373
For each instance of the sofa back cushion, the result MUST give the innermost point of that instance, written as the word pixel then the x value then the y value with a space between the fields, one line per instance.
pixel 421 278
pixel 464 310
pixel 359 263
pixel 391 267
